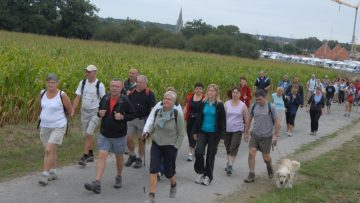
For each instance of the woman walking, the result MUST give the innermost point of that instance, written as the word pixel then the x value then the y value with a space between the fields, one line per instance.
pixel 168 131
pixel 316 105
pixel 279 100
pixel 350 96
pixel 237 117
pixel 209 127
pixel 245 92
pixel 191 111
pixel 294 100
pixel 55 105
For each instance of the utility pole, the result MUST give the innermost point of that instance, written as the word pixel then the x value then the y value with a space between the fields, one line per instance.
pixel 353 52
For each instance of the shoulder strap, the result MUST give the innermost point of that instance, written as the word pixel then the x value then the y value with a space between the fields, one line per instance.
pixel 42 93
pixel 252 109
pixel 97 88
pixel 82 86
pixel 270 112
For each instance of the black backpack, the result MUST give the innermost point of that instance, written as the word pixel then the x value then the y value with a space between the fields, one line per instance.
pixel 97 87
pixel 269 107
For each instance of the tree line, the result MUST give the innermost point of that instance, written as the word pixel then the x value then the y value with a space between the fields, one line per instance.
pixel 77 19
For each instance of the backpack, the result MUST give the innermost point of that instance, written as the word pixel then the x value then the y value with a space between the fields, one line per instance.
pixel 97 87
pixel 65 112
pixel 269 107
pixel 175 115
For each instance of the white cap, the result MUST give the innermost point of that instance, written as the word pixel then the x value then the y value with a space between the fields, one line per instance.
pixel 91 68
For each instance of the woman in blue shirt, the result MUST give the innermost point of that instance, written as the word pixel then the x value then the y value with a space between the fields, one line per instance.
pixel 210 125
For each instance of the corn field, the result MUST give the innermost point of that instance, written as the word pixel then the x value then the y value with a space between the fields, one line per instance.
pixel 26 59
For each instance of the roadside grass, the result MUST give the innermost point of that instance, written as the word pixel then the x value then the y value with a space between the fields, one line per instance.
pixel 331 177
pixel 311 145
pixel 21 150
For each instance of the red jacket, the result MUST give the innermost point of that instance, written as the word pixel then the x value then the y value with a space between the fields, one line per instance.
pixel 246 91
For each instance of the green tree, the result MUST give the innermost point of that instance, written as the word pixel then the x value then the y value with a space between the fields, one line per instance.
pixel 196 27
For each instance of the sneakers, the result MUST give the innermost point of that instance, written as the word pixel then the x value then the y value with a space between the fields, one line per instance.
pixel 118 182
pixel 189 158
pixel 151 199
pixel 250 178
pixel 229 170
pixel 159 176
pixel 44 180
pixel 93 186
pixel 138 163
pixel 52 176
pixel 270 171
pixel 199 179
pixel 173 191
pixel 206 181
pixel 315 132
pixel 289 134
pixel 130 161
pixel 311 133
pixel 227 165
pixel 85 159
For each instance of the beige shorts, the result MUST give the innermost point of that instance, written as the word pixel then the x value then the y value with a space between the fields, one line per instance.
pixel 136 127
pixel 89 120
pixel 52 135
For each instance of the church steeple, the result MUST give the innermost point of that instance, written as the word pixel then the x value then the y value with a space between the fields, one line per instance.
pixel 179 23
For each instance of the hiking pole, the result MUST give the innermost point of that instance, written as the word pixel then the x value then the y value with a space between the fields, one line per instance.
pixel 144 163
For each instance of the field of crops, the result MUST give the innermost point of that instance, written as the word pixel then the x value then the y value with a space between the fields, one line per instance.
pixel 25 61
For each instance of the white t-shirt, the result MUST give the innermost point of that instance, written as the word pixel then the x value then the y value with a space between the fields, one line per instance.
pixel 312 83
pixel 52 112
pixel 90 99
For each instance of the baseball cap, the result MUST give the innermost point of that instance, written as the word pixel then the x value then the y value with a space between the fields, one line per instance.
pixel 91 68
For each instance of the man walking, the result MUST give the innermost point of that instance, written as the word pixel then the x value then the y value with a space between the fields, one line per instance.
pixel 143 100
pixel 115 110
pixel 130 83
pixel 263 134
pixel 262 82
pixel 91 90
pixel 311 85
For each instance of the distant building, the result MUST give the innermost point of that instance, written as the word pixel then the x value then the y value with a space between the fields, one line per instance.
pixel 179 23
pixel 338 53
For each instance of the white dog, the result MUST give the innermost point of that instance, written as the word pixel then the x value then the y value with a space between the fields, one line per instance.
pixel 286 172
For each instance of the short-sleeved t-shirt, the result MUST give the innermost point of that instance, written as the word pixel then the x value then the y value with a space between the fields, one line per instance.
pixel 90 99
pixel 263 123
pixel 142 102
pixel 278 102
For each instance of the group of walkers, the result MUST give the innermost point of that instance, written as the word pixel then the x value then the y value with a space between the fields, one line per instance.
pixel 130 111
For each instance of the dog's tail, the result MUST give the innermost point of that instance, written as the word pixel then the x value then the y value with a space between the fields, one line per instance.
pixel 295 165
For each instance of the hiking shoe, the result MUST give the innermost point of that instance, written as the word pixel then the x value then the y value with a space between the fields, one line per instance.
pixel 311 133
pixel 189 158
pixel 206 181
pixel 138 163
pixel 118 182
pixel 44 180
pixel 93 186
pixel 270 171
pixel 199 179
pixel 130 160
pixel 229 170
pixel 90 158
pixel 250 178
pixel 151 199
pixel 83 160
pixel 52 176
pixel 172 191
pixel 289 134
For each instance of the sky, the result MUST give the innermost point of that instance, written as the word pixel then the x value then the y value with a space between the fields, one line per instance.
pixel 323 19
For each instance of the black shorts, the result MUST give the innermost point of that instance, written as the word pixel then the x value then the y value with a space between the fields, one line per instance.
pixel 290 119
pixel 168 153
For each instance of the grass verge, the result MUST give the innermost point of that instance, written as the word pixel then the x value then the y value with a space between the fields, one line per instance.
pixel 21 151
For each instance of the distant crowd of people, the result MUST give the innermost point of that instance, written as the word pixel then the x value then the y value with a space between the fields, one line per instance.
pixel 129 114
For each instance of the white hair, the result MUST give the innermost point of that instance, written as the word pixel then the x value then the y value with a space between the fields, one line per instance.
pixel 171 94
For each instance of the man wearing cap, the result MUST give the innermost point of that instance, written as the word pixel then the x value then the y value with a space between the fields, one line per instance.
pixel 311 85
pixel 91 90
pixel 326 81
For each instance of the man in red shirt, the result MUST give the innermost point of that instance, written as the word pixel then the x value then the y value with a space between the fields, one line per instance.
pixel 115 110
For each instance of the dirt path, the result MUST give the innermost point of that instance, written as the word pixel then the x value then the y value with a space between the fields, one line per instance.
pixel 69 187
pixel 262 186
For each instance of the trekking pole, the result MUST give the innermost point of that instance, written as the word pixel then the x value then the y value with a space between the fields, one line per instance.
pixel 144 165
